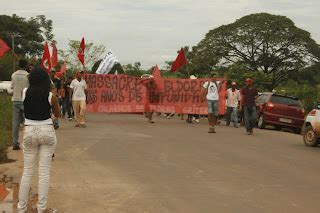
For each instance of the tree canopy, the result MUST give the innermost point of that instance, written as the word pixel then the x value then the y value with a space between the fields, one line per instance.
pixel 265 43
pixel 28 34
pixel 92 52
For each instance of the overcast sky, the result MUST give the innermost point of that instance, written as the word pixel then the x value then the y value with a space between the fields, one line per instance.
pixel 151 31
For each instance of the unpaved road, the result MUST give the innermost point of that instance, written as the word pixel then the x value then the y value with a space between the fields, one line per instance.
pixel 121 163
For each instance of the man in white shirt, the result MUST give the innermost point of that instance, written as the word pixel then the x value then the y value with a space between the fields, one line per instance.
pixel 233 99
pixel 19 81
pixel 78 89
pixel 211 89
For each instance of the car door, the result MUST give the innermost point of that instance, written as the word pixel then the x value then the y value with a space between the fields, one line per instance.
pixel 261 100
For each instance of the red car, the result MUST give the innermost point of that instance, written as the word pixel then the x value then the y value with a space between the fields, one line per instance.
pixel 280 111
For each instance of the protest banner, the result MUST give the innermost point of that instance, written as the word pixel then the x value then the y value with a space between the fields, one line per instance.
pixel 122 93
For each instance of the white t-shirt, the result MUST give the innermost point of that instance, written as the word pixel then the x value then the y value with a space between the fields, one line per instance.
pixel 233 98
pixel 78 89
pixel 213 93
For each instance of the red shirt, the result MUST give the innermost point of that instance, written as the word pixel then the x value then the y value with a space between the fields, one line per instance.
pixel 249 96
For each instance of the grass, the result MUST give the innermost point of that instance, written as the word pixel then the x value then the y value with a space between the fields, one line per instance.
pixel 5 125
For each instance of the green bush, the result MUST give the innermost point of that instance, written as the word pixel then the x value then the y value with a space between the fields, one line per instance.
pixel 5 124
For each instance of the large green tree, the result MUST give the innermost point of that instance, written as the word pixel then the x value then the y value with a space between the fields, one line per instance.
pixel 265 43
pixel 28 34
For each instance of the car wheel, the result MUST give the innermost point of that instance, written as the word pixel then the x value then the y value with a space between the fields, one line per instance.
pixel 309 137
pixel 261 122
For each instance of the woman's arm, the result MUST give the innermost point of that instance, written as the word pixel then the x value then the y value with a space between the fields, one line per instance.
pixel 55 106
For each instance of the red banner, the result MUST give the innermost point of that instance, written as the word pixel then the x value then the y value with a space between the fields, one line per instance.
pixel 122 93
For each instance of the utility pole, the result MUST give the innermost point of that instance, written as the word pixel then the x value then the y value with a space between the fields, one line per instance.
pixel 13 53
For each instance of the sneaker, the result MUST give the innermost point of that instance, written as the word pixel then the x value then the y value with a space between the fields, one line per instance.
pixel 151 121
pixel 16 148
pixel 70 119
pixel 197 121
pixel 211 130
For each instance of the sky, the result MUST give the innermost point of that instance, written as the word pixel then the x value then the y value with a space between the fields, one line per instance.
pixel 152 31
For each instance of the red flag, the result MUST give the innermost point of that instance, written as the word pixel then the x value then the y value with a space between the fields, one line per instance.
pixel 81 51
pixel 46 62
pixel 157 77
pixel 3 48
pixel 62 70
pixel 179 62
pixel 54 57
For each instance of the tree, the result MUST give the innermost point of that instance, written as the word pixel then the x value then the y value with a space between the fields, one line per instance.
pixel 6 67
pixel 308 75
pixel 133 69
pixel 263 43
pixel 28 34
pixel 93 53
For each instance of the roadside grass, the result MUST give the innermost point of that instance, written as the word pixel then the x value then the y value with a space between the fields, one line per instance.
pixel 5 125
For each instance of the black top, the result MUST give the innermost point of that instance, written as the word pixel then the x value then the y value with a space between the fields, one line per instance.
pixel 66 88
pixel 36 107
pixel 57 84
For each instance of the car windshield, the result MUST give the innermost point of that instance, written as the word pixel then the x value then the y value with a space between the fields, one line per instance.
pixel 290 101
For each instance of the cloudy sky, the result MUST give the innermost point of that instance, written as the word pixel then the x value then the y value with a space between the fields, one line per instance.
pixel 151 31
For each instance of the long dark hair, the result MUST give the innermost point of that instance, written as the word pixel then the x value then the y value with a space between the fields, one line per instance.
pixel 39 84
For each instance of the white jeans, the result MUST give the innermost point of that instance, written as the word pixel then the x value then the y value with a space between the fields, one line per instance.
pixel 37 140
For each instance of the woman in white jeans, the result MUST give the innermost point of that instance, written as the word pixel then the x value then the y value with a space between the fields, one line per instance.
pixel 39 137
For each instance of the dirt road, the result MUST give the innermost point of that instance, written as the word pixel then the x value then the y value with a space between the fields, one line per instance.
pixel 121 163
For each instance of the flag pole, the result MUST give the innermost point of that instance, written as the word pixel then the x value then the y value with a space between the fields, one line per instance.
pixel 187 65
pixel 13 53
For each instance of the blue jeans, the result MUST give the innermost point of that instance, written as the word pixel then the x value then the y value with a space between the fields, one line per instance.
pixel 17 118
pixel 235 115
pixel 250 117
pixel 66 107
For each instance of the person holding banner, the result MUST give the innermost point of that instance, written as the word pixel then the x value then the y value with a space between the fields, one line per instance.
pixel 146 78
pixel 212 89
pixel 78 89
